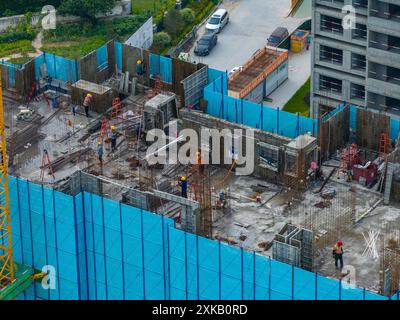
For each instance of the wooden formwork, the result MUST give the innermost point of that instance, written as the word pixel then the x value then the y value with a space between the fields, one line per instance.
pixel 255 70
pixel 370 125
pixel 334 133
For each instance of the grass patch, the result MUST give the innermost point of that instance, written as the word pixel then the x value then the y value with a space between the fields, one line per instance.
pixel 139 6
pixel 297 103
pixel 20 46
pixel 21 60
pixel 74 49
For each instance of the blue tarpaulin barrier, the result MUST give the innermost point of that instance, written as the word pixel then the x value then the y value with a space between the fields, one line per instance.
pixel 102 57
pixel 57 67
pixel 161 66
pixel 103 249
pixel 254 115
pixel 118 55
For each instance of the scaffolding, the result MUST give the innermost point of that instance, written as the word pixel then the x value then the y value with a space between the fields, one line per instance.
pixel 390 261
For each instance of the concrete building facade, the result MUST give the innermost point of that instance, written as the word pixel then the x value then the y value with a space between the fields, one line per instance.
pixel 359 65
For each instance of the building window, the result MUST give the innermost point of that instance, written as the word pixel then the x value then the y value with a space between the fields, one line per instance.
pixel 393 75
pixel 360 3
pixel 331 24
pixel 360 32
pixel 358 62
pixel 331 55
pixel 268 154
pixel 357 91
pixel 392 103
pixel 329 84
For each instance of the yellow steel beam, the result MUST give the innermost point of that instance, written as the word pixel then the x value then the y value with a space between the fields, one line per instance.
pixel 6 249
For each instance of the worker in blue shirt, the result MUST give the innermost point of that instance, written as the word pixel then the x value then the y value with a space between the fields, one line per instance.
pixel 113 138
pixel 183 184
pixel 100 151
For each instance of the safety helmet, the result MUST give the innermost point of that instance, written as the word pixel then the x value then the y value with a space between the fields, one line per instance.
pixel 183 178
pixel 89 95
pixel 340 243
pixel 99 142
pixel 139 62
pixel 113 127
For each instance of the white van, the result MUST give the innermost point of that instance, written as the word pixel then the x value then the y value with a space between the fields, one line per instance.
pixel 218 21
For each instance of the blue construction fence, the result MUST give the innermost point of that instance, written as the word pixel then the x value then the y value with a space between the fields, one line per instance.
pixel 254 115
pixel 103 249
pixel 57 67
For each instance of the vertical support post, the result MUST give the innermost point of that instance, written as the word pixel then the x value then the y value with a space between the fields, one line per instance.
pixel 56 241
pixel 122 250
pixel 94 244
pixel 277 120
pixel 340 289
pixel 254 275
pixel 219 271
pixel 77 248
pixel 169 265
pixel 163 254
pixel 292 282
pixel 316 285
pixel 31 230
pixel 186 266
pixel 104 244
pixel 143 269
pixel 363 293
pixel 197 267
pixel 241 263
pixel 269 278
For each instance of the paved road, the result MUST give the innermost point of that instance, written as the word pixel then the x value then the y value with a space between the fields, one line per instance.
pixel 251 22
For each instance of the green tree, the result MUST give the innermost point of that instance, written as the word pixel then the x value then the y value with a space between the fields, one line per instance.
pixel 87 9
pixel 187 15
pixel 173 22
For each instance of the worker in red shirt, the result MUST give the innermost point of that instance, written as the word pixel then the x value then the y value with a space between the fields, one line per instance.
pixel 86 103
pixel 337 253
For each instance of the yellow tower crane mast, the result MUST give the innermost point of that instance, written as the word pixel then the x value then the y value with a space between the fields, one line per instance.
pixel 6 250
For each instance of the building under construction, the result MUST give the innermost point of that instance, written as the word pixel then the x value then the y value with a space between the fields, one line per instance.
pixel 114 225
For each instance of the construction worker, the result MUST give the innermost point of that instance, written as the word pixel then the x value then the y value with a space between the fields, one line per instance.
pixel 86 103
pixel 183 184
pixel 113 138
pixel 337 253
pixel 100 151
pixel 139 67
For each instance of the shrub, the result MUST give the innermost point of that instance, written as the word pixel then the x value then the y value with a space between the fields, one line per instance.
pixel 173 22
pixel 187 15
pixel 161 39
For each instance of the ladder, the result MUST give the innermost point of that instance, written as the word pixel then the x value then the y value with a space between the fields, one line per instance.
pixel 49 165
pixel 104 130
pixel 384 145
pixel 116 108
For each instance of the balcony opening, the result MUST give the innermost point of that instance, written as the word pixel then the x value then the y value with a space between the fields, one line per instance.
pixel 360 3
pixel 357 91
pixel 331 85
pixel 331 24
pixel 358 62
pixel 360 32
pixel 331 55
pixel 384 42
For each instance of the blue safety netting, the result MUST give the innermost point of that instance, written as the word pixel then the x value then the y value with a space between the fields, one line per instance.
pixel 161 66
pixel 57 67
pixel 254 115
pixel 118 54
pixel 103 249
pixel 214 74
pixel 102 57
pixel 394 128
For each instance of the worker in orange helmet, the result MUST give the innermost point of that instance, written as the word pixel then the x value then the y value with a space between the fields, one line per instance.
pixel 86 103
pixel 337 253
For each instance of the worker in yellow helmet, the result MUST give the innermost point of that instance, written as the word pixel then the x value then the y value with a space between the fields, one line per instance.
pixel 113 138
pixel 100 151
pixel 86 103
pixel 139 67
pixel 183 183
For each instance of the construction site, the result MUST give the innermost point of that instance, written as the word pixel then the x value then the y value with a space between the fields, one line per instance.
pixel 84 198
